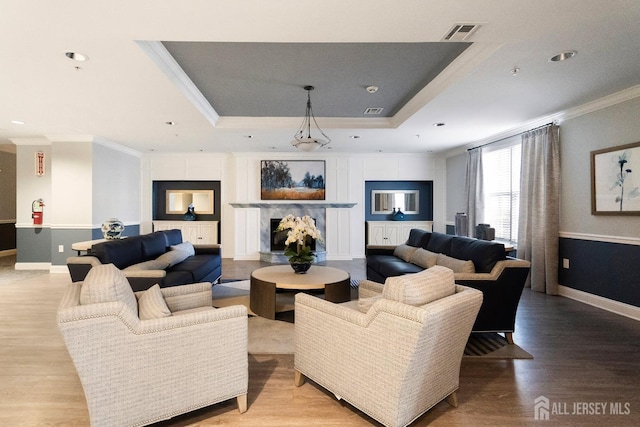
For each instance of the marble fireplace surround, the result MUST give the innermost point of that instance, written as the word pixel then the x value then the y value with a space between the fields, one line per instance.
pixel 270 210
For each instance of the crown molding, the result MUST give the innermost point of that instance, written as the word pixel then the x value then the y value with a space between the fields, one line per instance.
pixel 156 51
pixel 571 113
pixel 30 141
pixel 604 102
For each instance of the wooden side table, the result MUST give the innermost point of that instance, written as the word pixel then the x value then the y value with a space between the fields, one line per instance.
pixel 265 281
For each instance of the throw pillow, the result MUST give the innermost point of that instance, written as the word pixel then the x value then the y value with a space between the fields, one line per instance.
pixel 173 257
pixel 152 305
pixel 184 246
pixel 404 252
pixel 455 264
pixel 106 283
pixel 420 288
pixel 154 264
pixel 424 258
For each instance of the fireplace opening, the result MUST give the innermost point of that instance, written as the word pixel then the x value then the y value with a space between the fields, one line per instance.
pixel 279 237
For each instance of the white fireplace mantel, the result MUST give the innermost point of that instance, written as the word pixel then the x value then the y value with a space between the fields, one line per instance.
pixel 289 204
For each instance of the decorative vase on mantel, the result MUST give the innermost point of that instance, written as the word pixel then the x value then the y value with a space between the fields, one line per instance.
pixel 112 229
pixel 300 267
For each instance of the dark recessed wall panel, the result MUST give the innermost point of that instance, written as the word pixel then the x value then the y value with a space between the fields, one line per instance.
pixel 425 198
pixel 160 201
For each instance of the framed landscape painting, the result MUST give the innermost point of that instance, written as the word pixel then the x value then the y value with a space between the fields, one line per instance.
pixel 292 179
pixel 615 180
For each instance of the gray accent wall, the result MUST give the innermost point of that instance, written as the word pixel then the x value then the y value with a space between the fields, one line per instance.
pixel 116 185
pixel 600 263
pixel 609 127
pixel 33 245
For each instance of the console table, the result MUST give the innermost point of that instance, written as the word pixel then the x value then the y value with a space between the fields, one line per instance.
pixel 265 282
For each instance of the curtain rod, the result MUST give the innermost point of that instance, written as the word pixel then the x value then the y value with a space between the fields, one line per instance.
pixel 555 122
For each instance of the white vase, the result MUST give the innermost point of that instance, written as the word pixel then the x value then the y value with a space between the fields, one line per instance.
pixel 112 229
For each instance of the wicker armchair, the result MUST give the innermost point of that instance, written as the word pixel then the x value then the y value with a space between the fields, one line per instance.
pixel 136 372
pixel 391 355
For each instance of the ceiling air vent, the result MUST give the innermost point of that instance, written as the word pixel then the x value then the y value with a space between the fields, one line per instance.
pixel 372 110
pixel 461 32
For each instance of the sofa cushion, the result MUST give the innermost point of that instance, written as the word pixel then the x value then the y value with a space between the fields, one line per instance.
pixel 151 304
pixel 122 252
pixel 185 246
pixel 420 288
pixel 375 261
pixel 404 252
pixel 397 268
pixel 153 245
pixel 423 258
pixel 106 283
pixel 457 265
pixel 173 257
pixel 483 253
pixel 417 237
pixel 199 266
pixel 172 237
pixel 440 243
pixel 153 264
pixel 176 278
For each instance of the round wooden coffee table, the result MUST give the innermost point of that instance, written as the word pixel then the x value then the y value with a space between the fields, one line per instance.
pixel 265 281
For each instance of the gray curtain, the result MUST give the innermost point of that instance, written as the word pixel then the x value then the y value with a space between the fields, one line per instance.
pixel 539 224
pixel 474 192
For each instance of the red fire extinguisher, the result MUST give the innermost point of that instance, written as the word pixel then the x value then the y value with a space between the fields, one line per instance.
pixel 36 211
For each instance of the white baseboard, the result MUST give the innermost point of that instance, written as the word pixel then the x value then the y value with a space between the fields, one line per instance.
pixel 59 269
pixel 33 266
pixel 617 307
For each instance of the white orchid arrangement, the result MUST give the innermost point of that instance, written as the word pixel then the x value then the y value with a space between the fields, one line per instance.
pixel 300 229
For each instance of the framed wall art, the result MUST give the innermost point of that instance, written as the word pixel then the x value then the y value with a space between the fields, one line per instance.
pixel 292 179
pixel 615 180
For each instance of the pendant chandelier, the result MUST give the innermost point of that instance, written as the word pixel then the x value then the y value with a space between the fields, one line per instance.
pixel 303 139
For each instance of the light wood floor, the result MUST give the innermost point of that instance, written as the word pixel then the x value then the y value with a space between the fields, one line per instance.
pixel 583 355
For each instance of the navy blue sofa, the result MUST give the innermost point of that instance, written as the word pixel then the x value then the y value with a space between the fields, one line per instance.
pixel 499 277
pixel 138 257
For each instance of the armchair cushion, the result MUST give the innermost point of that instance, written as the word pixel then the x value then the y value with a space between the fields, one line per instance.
pixel 151 304
pixel 404 252
pixel 364 304
pixel 420 288
pixel 455 264
pixel 106 283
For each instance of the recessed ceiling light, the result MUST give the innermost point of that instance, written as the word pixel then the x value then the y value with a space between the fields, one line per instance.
pixel 170 123
pixel 438 124
pixel 249 136
pixel 354 136
pixel 515 71
pixel 17 122
pixel 372 89
pixel 563 55
pixel 76 56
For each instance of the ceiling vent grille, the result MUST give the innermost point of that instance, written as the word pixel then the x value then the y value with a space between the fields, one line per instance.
pixel 373 110
pixel 461 32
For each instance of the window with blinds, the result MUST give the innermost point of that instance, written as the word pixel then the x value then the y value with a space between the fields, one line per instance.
pixel 501 185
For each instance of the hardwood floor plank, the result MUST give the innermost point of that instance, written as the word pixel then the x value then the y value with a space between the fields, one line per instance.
pixel 581 355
